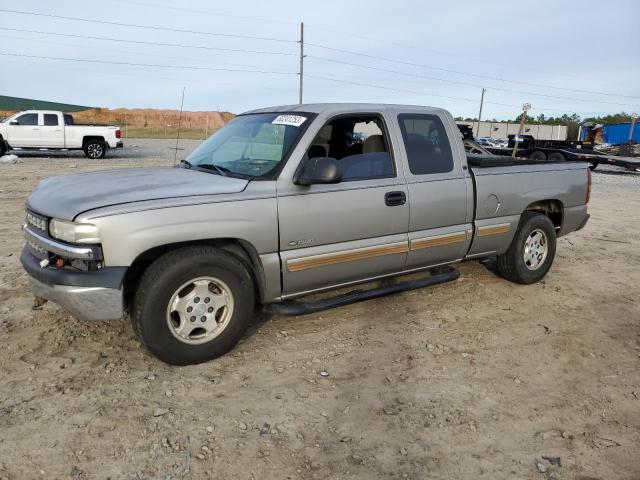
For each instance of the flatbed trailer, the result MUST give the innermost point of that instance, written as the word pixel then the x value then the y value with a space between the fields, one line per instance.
pixel 564 150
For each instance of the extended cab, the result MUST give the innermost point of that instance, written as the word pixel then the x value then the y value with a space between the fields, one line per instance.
pixel 284 202
pixel 43 129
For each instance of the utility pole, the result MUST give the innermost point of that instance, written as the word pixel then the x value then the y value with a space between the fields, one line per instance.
pixel 633 124
pixel 175 154
pixel 525 108
pixel 480 114
pixel 301 59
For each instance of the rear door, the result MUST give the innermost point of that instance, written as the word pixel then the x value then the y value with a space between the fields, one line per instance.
pixel 51 130
pixel 24 131
pixel 356 229
pixel 440 188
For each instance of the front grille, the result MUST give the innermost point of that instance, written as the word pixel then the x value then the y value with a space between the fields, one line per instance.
pixel 37 221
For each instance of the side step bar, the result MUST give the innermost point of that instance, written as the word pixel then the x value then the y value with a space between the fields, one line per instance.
pixel 299 308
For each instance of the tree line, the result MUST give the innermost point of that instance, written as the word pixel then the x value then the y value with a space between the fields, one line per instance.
pixel 572 121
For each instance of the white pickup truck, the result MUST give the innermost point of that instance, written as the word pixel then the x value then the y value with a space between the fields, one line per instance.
pixel 50 130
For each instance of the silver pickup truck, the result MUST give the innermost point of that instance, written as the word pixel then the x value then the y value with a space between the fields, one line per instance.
pixel 287 201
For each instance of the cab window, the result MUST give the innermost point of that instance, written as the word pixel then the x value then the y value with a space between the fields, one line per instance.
pixel 359 143
pixel 426 143
pixel 50 119
pixel 28 119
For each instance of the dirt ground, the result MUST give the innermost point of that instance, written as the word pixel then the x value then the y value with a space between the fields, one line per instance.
pixel 480 378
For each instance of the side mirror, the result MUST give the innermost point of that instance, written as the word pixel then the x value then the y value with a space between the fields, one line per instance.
pixel 14 122
pixel 318 170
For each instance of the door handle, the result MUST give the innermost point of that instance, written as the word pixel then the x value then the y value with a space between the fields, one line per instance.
pixel 393 199
pixel 35 129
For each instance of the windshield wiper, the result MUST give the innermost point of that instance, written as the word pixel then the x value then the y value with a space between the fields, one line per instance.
pixel 219 170
pixel 184 164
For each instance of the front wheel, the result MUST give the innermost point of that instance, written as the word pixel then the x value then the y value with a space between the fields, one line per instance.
pixel 95 149
pixel 532 250
pixel 193 304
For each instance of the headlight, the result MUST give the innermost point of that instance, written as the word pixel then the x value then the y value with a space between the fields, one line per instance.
pixel 74 232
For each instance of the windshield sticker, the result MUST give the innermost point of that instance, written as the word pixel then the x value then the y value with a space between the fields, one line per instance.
pixel 292 120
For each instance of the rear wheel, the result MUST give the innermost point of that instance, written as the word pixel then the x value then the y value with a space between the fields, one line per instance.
pixel 532 250
pixel 556 157
pixel 95 149
pixel 538 156
pixel 3 147
pixel 193 304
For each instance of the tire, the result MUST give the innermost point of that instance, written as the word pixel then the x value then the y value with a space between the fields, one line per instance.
pixel 538 156
pixel 512 264
pixel 556 157
pixel 3 147
pixel 162 287
pixel 593 166
pixel 95 149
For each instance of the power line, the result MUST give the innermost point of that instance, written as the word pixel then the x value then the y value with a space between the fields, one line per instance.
pixel 155 77
pixel 458 72
pixel 149 27
pixel 142 42
pixel 415 92
pixel 413 47
pixel 137 53
pixel 155 65
pixel 457 82
pixel 205 12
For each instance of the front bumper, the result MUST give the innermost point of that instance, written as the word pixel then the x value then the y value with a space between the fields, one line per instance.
pixel 84 303
pixel 90 295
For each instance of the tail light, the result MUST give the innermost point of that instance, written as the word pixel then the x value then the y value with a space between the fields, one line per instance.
pixel 118 133
pixel 588 185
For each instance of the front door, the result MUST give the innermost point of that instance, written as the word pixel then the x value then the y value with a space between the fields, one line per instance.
pixel 24 131
pixel 356 229
pixel 440 191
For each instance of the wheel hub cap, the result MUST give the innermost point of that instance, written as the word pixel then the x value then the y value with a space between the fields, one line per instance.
pixel 199 310
pixel 536 248
pixel 94 150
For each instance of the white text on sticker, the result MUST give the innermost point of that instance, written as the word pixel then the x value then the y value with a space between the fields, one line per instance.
pixel 293 120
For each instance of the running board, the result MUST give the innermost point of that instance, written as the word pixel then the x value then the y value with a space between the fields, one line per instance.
pixel 298 308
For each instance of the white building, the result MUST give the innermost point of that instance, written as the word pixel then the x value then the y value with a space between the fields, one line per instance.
pixel 502 129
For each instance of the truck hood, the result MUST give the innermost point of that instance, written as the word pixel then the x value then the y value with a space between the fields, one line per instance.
pixel 67 196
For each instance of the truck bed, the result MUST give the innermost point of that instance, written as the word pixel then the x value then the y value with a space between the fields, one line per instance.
pixel 486 161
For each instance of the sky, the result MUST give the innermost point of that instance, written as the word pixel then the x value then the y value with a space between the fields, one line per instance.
pixel 559 56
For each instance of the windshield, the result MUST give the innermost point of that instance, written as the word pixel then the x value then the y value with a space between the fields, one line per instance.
pixel 250 146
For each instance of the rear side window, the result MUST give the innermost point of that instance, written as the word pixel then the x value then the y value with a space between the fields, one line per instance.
pixel 28 119
pixel 426 143
pixel 68 119
pixel 50 119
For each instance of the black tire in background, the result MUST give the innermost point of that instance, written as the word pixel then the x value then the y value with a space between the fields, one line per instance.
pixel 538 156
pixel 95 149
pixel 3 147
pixel 556 157
pixel 512 264
pixel 593 166
pixel 150 312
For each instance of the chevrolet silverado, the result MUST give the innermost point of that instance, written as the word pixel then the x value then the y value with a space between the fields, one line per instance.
pixel 48 130
pixel 284 202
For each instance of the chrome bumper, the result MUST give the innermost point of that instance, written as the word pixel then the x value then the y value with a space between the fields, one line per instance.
pixel 59 248
pixel 84 303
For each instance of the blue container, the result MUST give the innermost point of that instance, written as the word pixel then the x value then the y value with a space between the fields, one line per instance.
pixel 616 133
